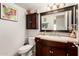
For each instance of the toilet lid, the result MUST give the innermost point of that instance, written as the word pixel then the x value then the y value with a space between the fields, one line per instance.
pixel 25 49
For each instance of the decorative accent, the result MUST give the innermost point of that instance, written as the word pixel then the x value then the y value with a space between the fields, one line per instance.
pixel 44 25
pixel 55 6
pixel 8 12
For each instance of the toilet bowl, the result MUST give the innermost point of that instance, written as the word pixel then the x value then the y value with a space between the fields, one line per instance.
pixel 24 49
pixel 27 49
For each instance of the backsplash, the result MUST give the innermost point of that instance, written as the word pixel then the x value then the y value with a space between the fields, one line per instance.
pixel 55 33
pixel 33 33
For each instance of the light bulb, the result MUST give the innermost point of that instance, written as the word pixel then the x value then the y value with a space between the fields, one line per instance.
pixel 61 5
pixel 54 7
pixel 50 6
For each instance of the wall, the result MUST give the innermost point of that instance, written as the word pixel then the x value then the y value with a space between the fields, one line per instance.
pixel 32 32
pixel 12 34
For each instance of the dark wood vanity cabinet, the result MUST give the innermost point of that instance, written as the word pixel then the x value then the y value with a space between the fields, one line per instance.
pixel 52 48
pixel 31 21
pixel 72 50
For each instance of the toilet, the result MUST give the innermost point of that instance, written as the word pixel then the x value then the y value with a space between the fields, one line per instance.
pixel 26 50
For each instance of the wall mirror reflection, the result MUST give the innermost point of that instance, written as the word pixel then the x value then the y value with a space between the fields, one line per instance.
pixel 61 20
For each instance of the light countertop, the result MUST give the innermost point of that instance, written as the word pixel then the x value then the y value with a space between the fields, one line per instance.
pixel 58 38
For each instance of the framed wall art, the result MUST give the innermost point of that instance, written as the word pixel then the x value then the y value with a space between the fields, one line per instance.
pixel 8 11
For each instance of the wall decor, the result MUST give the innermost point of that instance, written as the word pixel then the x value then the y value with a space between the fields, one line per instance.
pixel 8 12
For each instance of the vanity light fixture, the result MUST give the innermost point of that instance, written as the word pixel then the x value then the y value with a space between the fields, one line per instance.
pixel 55 6
pixel 61 5
pixel 52 6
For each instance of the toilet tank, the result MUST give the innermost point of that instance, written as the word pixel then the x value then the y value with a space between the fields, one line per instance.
pixel 31 40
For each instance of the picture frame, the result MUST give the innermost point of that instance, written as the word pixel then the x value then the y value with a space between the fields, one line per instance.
pixel 7 12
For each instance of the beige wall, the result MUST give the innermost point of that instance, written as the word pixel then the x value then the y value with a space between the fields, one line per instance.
pixel 12 34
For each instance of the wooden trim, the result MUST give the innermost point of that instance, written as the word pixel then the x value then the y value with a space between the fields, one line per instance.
pixel 59 10
pixel 55 31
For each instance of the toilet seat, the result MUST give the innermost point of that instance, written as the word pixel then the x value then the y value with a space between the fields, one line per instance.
pixel 25 49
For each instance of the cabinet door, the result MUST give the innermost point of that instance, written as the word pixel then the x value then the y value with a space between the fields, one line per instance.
pixel 34 21
pixel 72 52
pixel 28 21
pixel 31 21
pixel 38 47
pixel 38 50
pixel 57 52
pixel 45 51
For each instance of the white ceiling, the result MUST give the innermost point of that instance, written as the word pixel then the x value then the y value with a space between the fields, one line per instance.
pixel 32 5
pixel 36 5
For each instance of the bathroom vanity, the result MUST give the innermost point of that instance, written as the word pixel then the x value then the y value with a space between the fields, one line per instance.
pixel 60 20
pixel 46 46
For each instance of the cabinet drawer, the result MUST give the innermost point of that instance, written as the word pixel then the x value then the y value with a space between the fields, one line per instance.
pixel 72 52
pixel 53 43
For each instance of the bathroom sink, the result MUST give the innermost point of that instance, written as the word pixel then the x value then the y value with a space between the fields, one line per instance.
pixel 52 38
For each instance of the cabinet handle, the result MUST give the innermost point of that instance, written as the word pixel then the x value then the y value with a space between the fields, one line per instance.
pixel 67 54
pixel 37 40
pixel 73 46
pixel 51 52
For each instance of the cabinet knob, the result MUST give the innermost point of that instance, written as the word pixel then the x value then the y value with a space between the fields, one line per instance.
pixel 30 21
pixel 38 46
pixel 51 52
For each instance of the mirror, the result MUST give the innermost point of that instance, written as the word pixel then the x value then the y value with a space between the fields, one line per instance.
pixel 58 20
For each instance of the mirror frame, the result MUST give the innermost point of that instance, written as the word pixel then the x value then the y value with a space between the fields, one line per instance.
pixel 73 17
